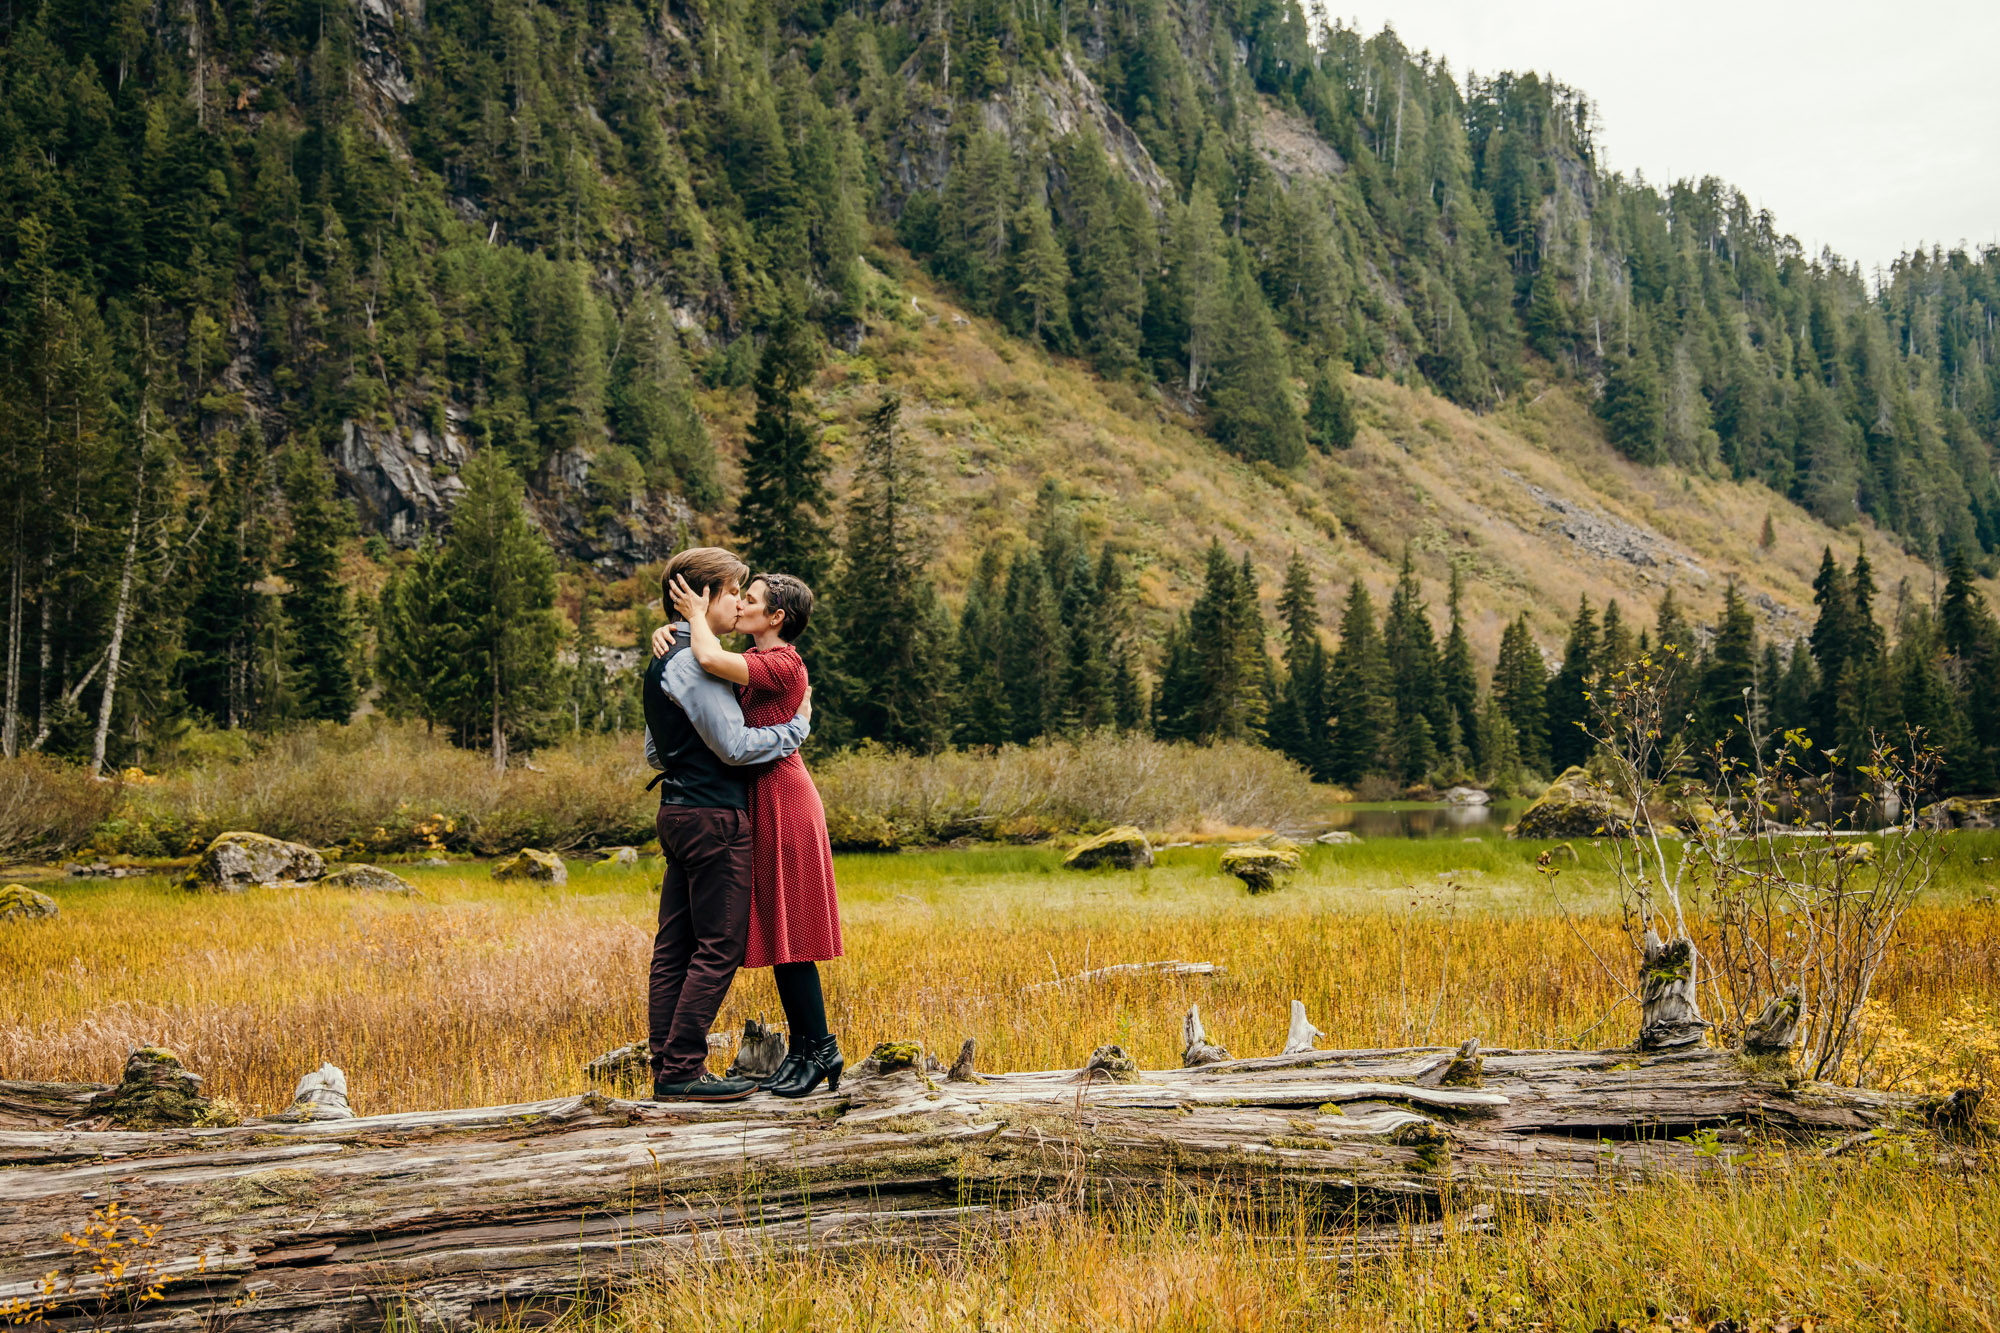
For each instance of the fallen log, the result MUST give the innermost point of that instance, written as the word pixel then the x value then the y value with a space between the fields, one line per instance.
pixel 445 1218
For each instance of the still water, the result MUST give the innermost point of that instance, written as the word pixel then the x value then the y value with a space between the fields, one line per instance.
pixel 1425 819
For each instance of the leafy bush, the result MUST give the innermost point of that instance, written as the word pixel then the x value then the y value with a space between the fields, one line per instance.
pixel 48 807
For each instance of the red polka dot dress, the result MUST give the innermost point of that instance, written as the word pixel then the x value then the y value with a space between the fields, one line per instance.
pixel 794 915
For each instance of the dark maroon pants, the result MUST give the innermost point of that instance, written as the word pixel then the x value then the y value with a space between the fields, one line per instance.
pixel 704 922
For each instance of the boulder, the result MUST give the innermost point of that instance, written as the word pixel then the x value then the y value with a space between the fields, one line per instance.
pixel 156 1091
pixel 617 858
pixel 1465 796
pixel 1124 848
pixel 373 879
pixel 238 861
pixel 18 902
pixel 1260 868
pixel 528 863
pixel 1339 837
pixel 1576 805
pixel 1961 812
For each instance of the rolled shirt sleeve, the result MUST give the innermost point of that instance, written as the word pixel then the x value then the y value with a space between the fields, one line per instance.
pixel 710 704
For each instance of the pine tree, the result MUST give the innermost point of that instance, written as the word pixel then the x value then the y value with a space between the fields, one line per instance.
pixel 1832 645
pixel 1728 680
pixel 319 614
pixel 229 618
pixel 1086 703
pixel 1520 690
pixel 1769 536
pixel 417 656
pixel 1410 650
pixel 1034 652
pixel 1128 702
pixel 1363 711
pixel 784 514
pixel 1330 412
pixel 1547 321
pixel 500 578
pixel 1569 709
pixel 895 639
pixel 1633 410
pixel 1970 638
pixel 1618 648
pixel 1249 394
pixel 1458 677
pixel 1177 694
pixel 981 712
pixel 1039 285
pixel 1298 723
pixel 1674 653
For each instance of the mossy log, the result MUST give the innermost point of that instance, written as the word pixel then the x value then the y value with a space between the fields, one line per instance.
pixel 448 1217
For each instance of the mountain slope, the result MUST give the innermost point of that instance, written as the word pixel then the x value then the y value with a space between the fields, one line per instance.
pixel 1530 500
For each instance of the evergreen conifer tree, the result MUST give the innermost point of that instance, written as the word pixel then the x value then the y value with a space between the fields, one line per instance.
pixel 318 610
pixel 500 578
pixel 1569 710
pixel 1362 708
pixel 1034 651
pixel 1459 678
pixel 1298 722
pixel 1410 648
pixel 1970 638
pixel 784 511
pixel 1520 689
pixel 418 640
pixel 1330 412
pixel 895 648
pixel 981 712
pixel 1728 680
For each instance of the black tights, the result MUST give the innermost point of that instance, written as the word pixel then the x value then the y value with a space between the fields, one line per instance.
pixel 805 1003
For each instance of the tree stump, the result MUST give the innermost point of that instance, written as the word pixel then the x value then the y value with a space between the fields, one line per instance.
pixel 1776 1027
pixel 1668 1016
pixel 1196 1047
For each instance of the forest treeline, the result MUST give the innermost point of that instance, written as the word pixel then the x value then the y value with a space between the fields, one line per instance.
pixel 230 231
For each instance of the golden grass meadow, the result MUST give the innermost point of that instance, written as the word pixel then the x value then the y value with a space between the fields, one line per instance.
pixel 474 992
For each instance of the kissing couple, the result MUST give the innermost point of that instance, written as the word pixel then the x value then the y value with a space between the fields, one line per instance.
pixel 749 879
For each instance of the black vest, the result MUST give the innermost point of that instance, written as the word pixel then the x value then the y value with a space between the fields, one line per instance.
pixel 693 775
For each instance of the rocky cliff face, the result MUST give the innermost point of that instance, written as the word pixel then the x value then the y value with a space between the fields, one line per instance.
pixel 404 481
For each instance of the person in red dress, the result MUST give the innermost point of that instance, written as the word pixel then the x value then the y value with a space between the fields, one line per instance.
pixel 794 911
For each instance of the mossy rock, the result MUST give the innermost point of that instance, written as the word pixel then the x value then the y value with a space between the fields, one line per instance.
pixel 157 1091
pixel 371 879
pixel 530 864
pixel 18 902
pixel 894 1055
pixel 617 858
pixel 1575 805
pixel 237 861
pixel 1123 848
pixel 1260 868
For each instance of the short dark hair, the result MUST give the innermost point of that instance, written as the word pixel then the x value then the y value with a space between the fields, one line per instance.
pixel 707 569
pixel 783 592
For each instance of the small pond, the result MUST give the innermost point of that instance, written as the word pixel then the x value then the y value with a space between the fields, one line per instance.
pixel 1425 819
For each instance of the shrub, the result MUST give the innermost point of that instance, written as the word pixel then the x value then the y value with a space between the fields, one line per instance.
pixel 48 807
pixel 876 798
pixel 378 788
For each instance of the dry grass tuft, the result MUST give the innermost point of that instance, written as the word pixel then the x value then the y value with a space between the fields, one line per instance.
pixel 1798 1245
pixel 484 993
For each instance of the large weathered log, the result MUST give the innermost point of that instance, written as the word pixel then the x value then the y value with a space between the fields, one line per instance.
pixel 451 1216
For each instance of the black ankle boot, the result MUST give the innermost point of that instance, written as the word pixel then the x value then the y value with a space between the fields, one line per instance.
pixel 787 1070
pixel 821 1060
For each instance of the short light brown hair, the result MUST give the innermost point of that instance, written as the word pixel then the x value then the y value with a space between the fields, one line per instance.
pixel 706 569
pixel 783 592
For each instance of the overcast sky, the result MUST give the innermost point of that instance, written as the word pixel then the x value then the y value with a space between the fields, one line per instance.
pixel 1867 127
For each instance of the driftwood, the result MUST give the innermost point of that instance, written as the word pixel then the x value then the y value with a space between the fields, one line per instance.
pixel 1668 1016
pixel 443 1218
